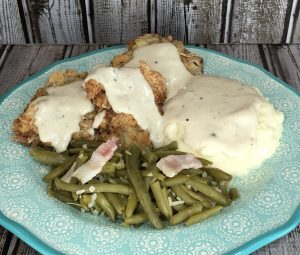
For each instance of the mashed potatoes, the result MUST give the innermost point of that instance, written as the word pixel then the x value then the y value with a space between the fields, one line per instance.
pixel 224 121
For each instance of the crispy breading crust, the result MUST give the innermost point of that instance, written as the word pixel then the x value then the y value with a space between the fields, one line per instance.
pixel 192 62
pixel 123 125
pixel 24 128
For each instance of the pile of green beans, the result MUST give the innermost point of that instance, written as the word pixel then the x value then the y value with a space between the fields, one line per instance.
pixel 133 190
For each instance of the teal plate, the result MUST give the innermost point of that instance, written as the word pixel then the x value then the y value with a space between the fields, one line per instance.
pixel 268 208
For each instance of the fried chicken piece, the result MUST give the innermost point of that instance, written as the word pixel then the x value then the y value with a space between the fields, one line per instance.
pixel 96 92
pixel 192 62
pixel 123 125
pixel 24 129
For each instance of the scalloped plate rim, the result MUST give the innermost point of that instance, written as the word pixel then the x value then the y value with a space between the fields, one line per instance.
pixel 245 248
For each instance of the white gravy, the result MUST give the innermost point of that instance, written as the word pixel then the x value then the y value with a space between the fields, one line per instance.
pixel 59 114
pixel 163 58
pixel 224 121
pixel 128 92
pixel 98 119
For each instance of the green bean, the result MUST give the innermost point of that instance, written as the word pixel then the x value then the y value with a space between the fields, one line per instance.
pixel 168 147
pixel 209 192
pixel 106 206
pixel 78 150
pixel 224 191
pixel 203 215
pixel 185 213
pixel 121 173
pixel 234 194
pixel 85 200
pixel 217 174
pixel 179 207
pixel 139 186
pixel 202 179
pixel 136 219
pixel 204 161
pixel 60 170
pixel 147 181
pixel 192 171
pixel 116 157
pixel 164 194
pixel 159 199
pixel 202 200
pixel 81 159
pixel 162 154
pixel 183 195
pixel 81 142
pixel 176 180
pixel 47 157
pixel 116 202
pixel 155 172
pixel 91 188
pixel 109 168
pixel 148 155
pixel 132 204
pixel 64 197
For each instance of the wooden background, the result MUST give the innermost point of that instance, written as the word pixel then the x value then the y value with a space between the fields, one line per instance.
pixel 116 21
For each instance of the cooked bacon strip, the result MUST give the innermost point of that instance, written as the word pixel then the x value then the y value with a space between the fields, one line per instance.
pixel 173 164
pixel 99 158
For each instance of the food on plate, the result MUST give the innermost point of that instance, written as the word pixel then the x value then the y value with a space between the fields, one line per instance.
pixel 130 184
pixel 57 112
pixel 164 55
pixel 131 99
pixel 224 121
pixel 145 138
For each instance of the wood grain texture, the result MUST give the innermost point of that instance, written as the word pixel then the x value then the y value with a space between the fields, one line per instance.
pixel 194 22
pixel 20 61
pixel 170 19
pixel 24 249
pixel 56 21
pixel 284 62
pixel 3 236
pixel 203 20
pixel 248 52
pixel 118 21
pixel 258 21
pixel 287 245
pixel 11 30
pixel 25 60
pixel 296 28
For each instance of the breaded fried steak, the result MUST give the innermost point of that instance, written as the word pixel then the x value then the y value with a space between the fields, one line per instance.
pixel 124 100
pixel 192 62
pixel 25 128
pixel 164 55
pixel 129 97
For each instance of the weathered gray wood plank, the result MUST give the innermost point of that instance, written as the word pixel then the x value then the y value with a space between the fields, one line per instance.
pixel 284 62
pixel 3 236
pixel 120 20
pixel 170 18
pixel 24 249
pixel 57 21
pixel 76 50
pixel 203 21
pixel 296 28
pixel 258 21
pixel 194 22
pixel 287 245
pixel 11 30
pixel 24 60
pixel 248 52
